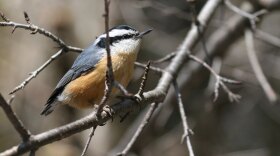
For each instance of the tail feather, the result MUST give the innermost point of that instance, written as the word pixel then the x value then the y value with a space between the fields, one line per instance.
pixel 51 103
pixel 49 108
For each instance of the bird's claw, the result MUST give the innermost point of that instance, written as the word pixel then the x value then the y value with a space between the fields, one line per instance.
pixel 109 111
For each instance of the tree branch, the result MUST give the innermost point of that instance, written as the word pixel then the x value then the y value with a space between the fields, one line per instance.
pixel 187 130
pixel 15 121
pixel 37 71
pixel 89 140
pixel 219 81
pixel 140 128
pixel 253 18
pixel 270 93
pixel 34 28
pixel 109 72
pixel 268 38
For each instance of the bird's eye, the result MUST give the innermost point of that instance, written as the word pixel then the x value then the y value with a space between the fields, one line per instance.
pixel 101 43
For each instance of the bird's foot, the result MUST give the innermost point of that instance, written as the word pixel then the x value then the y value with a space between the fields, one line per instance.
pixel 106 109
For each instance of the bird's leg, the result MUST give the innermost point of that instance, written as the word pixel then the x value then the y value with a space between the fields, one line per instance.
pixel 109 111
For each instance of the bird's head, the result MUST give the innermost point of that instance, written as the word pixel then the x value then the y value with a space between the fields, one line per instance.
pixel 122 38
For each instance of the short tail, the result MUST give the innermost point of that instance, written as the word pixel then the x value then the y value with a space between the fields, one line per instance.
pixel 52 102
pixel 49 107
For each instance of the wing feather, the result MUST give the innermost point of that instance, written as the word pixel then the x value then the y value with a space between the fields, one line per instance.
pixel 84 63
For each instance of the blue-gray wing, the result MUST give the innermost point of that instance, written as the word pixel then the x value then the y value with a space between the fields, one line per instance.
pixel 84 63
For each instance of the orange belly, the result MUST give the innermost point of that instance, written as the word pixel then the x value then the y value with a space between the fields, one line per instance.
pixel 88 90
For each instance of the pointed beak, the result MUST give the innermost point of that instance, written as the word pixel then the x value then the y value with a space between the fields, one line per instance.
pixel 144 33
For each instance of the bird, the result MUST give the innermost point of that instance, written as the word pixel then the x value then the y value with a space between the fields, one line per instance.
pixel 83 84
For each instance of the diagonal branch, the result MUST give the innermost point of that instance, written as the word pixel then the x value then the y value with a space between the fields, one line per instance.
pixel 268 38
pixel 153 68
pixel 34 28
pixel 270 93
pixel 18 125
pixel 37 71
pixel 139 130
pixel 195 21
pixel 89 140
pixel 220 81
pixel 253 18
pixel 187 130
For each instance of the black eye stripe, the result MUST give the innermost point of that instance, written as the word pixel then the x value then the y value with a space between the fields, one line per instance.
pixel 101 43
pixel 115 39
pixel 118 38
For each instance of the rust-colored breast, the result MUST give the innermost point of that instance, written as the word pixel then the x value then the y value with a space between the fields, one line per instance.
pixel 88 89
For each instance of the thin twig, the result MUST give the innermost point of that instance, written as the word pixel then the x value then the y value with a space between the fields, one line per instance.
pixel 15 121
pixel 121 88
pixel 270 93
pixel 239 11
pixel 33 74
pixel 153 68
pixel 139 130
pixel 165 58
pixel 219 81
pixel 4 17
pixel 268 38
pixel 33 28
pixel 11 100
pixel 26 17
pixel 144 79
pixel 89 140
pixel 253 18
pixel 187 130
pixel 109 72
pixel 197 24
pixel 216 66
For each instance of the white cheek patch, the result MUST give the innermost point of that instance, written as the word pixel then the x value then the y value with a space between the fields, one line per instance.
pixel 126 46
pixel 97 40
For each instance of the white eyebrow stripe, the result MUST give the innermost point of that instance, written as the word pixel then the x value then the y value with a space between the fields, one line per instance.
pixel 119 32
pixel 97 40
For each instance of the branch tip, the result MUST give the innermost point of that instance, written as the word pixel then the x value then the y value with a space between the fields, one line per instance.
pixel 26 17
pixel 144 79
pixel 4 17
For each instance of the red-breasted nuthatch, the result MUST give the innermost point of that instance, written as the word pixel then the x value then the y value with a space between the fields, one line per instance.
pixel 83 85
